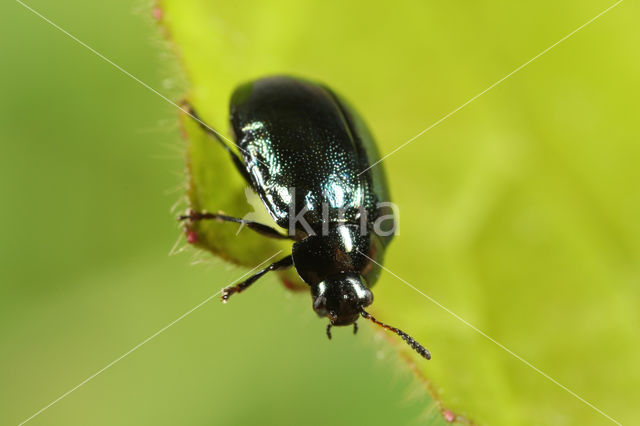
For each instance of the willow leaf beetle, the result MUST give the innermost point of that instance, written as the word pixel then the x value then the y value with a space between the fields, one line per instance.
pixel 303 150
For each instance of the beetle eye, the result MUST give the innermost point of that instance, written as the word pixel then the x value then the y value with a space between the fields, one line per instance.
pixel 320 305
pixel 368 299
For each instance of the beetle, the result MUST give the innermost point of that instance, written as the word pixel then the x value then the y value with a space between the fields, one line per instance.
pixel 308 156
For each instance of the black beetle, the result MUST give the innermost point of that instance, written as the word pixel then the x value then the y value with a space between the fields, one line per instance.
pixel 307 155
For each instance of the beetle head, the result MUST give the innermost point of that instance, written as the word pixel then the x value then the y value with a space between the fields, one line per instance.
pixel 341 297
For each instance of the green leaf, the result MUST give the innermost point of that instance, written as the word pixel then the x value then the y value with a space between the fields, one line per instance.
pixel 518 214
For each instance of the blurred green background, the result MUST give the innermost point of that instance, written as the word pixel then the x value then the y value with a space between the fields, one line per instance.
pixel 519 213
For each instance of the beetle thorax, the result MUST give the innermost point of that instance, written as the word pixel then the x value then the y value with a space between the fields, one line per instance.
pixel 319 256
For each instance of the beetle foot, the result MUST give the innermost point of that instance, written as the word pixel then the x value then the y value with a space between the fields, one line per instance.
pixel 227 292
pixel 184 217
pixel 192 216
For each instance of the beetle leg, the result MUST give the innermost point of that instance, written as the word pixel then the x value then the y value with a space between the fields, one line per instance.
pixel 329 330
pixel 355 328
pixel 254 226
pixel 239 288
pixel 234 157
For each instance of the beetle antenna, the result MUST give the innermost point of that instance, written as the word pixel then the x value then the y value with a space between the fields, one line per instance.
pixel 410 340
